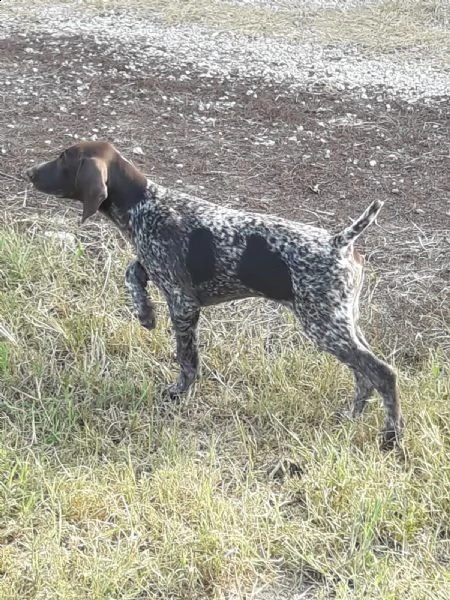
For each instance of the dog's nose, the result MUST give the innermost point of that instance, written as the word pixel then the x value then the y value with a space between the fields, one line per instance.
pixel 30 173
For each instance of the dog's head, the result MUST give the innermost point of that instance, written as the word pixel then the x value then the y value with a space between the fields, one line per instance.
pixel 81 173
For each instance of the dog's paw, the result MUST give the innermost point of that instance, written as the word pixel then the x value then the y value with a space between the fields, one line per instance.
pixel 173 391
pixel 391 435
pixel 147 319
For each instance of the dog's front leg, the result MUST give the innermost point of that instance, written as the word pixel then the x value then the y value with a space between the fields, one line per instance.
pixel 185 316
pixel 136 280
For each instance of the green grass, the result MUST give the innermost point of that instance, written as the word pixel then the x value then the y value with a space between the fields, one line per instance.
pixel 103 494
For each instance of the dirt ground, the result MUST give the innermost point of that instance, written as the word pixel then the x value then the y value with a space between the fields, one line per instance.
pixel 312 154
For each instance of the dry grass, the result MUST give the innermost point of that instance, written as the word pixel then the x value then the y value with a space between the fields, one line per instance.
pixel 391 26
pixel 246 488
pixel 415 289
pixel 421 26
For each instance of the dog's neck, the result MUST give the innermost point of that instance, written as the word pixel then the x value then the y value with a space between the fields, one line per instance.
pixel 126 188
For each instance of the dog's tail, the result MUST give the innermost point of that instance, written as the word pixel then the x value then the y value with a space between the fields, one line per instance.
pixel 349 234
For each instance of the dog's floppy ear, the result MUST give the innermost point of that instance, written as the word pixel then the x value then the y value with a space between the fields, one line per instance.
pixel 91 185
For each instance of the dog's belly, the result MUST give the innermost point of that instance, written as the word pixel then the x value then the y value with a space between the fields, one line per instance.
pixel 216 292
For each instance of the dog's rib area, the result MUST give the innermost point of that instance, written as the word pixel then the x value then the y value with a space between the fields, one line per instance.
pixel 200 259
pixel 264 270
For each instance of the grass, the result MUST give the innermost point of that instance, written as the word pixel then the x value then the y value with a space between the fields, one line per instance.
pixel 246 488
pixel 384 26
pixel 391 26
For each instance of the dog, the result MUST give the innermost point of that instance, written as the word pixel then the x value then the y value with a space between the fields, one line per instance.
pixel 199 254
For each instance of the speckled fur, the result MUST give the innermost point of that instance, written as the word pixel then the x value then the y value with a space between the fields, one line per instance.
pixel 317 274
pixel 322 266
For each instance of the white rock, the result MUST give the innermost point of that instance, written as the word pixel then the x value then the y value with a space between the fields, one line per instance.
pixel 66 239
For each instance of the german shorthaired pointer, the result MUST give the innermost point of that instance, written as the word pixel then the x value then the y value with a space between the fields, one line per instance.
pixel 199 254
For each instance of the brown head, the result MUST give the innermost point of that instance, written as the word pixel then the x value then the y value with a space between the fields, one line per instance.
pixel 94 173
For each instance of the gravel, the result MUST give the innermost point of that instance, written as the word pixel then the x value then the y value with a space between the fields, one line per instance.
pixel 214 53
pixel 276 4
